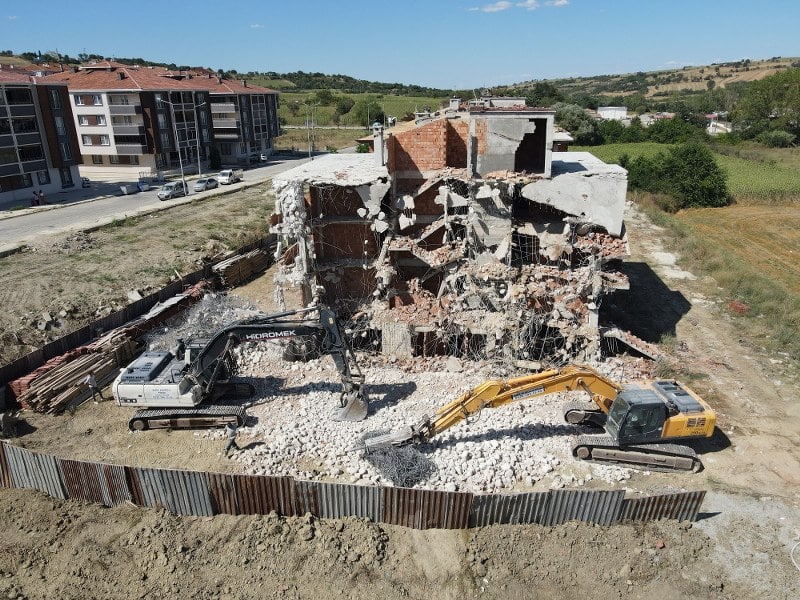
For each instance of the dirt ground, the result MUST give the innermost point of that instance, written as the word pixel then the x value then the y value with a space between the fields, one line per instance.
pixel 740 547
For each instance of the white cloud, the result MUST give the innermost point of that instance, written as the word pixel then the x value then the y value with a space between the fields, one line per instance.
pixel 12 17
pixel 502 5
pixel 497 6
pixel 256 26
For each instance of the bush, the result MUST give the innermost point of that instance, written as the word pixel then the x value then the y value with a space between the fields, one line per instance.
pixel 362 148
pixel 688 173
pixel 775 139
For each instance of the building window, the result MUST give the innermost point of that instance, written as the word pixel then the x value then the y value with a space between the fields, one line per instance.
pixel 101 120
pixel 78 100
pixel 162 121
pixel 86 140
pixel 122 120
pixel 7 156
pixel 66 177
pixel 19 96
pixel 97 100
pixel 55 99
pixel 104 140
pixel 134 159
pixel 83 120
pixel 113 159
pixel 66 151
pixel 33 152
pixel 5 126
pixel 97 159
pixel 225 149
pixel 27 181
pixel 43 177
pixel 60 128
pixel 24 125
pixel 165 140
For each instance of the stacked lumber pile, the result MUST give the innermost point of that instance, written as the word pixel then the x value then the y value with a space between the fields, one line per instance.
pixel 54 386
pixel 238 269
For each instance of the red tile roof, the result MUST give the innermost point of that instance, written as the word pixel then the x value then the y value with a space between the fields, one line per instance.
pixel 112 76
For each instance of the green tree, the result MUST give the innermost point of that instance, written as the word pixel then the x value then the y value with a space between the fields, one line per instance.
pixel 773 103
pixel 344 104
pixel 367 112
pixel 583 127
pixel 325 97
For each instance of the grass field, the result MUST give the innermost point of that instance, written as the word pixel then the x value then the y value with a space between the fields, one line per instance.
pixel 755 174
pixel 325 139
pixel 394 106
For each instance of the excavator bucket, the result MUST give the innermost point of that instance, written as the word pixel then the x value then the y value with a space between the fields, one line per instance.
pixel 353 407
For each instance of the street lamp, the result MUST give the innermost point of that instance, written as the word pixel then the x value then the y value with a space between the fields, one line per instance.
pixel 177 144
pixel 197 135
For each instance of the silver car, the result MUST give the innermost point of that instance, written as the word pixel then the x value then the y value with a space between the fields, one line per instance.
pixel 206 183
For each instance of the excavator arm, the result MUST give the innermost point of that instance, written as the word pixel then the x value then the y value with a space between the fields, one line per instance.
pixel 353 401
pixel 494 393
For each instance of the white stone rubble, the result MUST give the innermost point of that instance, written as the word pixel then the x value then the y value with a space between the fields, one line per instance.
pixel 522 446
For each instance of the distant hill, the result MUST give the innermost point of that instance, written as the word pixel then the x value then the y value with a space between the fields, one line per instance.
pixel 654 84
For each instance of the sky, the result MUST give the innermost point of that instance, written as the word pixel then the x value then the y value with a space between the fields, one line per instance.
pixel 449 44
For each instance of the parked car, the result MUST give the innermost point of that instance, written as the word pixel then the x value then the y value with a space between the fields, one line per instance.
pixel 258 157
pixel 173 189
pixel 85 182
pixel 206 183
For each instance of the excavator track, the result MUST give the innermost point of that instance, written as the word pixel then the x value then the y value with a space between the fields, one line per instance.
pixel 197 417
pixel 651 457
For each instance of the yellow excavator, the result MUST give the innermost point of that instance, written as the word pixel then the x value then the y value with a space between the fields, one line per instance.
pixel 640 420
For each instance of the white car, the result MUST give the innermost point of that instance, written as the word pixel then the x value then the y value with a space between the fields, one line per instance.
pixel 206 183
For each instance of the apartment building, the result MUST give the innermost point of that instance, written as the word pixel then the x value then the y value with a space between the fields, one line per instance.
pixel 244 118
pixel 38 148
pixel 149 121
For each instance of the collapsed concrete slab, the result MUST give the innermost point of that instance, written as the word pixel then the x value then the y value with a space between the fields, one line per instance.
pixel 473 239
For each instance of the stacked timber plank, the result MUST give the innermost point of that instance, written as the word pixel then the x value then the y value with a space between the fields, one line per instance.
pixel 238 269
pixel 54 386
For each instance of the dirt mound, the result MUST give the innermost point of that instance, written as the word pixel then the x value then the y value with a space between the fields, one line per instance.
pixel 55 549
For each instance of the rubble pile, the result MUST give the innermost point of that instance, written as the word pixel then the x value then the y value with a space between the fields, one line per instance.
pixel 521 446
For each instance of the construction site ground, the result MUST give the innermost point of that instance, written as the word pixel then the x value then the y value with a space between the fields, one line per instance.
pixel 741 547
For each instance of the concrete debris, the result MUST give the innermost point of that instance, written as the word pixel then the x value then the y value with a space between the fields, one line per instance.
pixel 476 235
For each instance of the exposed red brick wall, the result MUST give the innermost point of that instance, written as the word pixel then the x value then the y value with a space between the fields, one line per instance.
pixel 335 200
pixel 424 203
pixel 354 282
pixel 336 241
pixel 420 149
pixel 457 135
pixel 480 135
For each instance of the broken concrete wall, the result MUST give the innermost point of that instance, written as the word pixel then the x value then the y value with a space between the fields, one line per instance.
pixel 585 187
pixel 514 140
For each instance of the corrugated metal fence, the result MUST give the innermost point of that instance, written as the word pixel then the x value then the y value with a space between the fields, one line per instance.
pixel 201 493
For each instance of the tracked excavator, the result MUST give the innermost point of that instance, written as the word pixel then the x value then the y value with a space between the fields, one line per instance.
pixel 641 421
pixel 178 389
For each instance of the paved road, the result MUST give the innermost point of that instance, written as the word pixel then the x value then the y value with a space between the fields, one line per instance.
pixel 85 208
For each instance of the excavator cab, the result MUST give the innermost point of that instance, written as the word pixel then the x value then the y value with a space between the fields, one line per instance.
pixel 636 417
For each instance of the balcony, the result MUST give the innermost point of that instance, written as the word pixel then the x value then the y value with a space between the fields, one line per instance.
pixel 128 129
pixel 23 139
pixel 22 110
pixel 125 109
pixel 225 123
pixel 129 149
pixel 9 169
pixel 32 166
pixel 223 107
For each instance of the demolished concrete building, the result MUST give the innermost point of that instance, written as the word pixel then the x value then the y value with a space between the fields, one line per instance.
pixel 463 235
